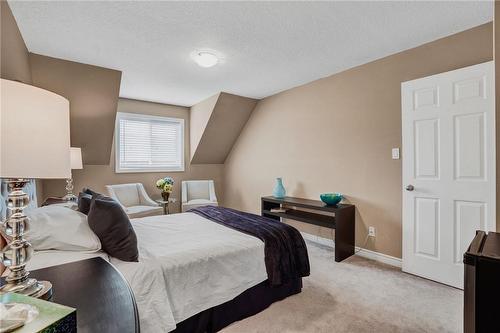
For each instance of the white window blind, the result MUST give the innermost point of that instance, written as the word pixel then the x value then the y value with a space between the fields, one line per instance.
pixel 149 143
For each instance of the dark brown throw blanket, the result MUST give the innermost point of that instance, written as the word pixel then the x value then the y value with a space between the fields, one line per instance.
pixel 284 248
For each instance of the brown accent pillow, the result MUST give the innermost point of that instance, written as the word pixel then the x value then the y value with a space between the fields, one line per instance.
pixel 110 223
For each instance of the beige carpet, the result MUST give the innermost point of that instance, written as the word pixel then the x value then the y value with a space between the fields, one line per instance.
pixel 359 295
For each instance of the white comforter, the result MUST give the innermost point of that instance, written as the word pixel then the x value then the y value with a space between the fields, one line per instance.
pixel 188 264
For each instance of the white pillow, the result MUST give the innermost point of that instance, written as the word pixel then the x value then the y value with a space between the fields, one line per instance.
pixel 56 227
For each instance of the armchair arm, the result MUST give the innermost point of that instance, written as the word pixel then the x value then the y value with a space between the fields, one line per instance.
pixel 184 192
pixel 144 197
pixel 112 195
pixel 211 188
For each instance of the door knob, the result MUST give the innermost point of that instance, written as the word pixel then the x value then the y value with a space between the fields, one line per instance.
pixel 410 187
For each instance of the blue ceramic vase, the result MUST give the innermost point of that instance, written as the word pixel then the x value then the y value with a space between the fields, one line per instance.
pixel 279 190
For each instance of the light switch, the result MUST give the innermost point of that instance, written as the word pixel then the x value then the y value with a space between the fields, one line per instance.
pixel 395 153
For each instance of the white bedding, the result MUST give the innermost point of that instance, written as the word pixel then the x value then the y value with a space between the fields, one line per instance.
pixel 187 264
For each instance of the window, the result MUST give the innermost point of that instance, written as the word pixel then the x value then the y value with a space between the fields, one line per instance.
pixel 148 143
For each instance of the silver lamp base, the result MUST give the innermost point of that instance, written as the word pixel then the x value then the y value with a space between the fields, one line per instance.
pixel 18 251
pixel 29 287
pixel 69 191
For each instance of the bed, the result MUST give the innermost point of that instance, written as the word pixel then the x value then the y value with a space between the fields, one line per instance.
pixel 193 275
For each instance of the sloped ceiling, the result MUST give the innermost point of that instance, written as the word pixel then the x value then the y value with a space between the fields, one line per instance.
pixel 216 124
pixel 93 95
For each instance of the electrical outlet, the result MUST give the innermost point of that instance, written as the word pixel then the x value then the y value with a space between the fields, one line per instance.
pixel 395 153
pixel 371 231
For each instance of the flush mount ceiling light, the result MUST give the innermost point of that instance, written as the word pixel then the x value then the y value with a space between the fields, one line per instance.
pixel 204 58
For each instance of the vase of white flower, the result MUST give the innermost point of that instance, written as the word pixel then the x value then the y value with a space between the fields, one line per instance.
pixel 166 185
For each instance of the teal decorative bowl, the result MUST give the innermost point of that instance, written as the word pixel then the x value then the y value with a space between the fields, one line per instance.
pixel 331 199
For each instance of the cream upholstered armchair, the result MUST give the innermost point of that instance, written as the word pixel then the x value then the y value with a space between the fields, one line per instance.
pixel 134 199
pixel 197 193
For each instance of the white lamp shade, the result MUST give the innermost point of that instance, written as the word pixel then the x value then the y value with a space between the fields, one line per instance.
pixel 76 158
pixel 34 132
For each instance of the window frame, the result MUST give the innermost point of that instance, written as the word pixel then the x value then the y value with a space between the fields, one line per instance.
pixel 140 116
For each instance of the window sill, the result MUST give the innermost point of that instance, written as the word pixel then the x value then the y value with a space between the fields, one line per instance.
pixel 148 170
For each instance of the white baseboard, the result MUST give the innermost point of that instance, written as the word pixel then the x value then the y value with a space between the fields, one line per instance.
pixel 369 254
pixel 318 239
pixel 380 257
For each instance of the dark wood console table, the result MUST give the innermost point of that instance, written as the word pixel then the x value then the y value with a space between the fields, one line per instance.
pixel 343 222
pixel 103 299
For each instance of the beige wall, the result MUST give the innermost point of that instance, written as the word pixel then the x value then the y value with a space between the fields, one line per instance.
pixel 336 134
pixel 93 95
pixel 200 115
pixel 15 63
pixel 97 176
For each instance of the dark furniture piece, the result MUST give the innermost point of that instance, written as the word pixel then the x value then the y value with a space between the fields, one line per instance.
pixel 246 304
pixel 482 284
pixel 53 200
pixel 103 299
pixel 343 222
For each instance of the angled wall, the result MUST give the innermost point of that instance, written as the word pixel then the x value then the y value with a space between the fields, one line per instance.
pixel 199 116
pixel 15 63
pixel 93 95
pixel 218 121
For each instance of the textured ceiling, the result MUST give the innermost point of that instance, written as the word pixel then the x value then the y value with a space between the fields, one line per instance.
pixel 267 46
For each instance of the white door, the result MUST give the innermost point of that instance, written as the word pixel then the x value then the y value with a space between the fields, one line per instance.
pixel 448 169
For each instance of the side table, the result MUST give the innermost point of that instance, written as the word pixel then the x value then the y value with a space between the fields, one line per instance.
pixel 165 204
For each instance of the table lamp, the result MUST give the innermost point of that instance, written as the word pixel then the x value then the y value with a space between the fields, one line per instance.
pixel 34 143
pixel 76 163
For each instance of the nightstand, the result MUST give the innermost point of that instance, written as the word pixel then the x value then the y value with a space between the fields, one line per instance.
pixel 54 201
pixel 103 299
